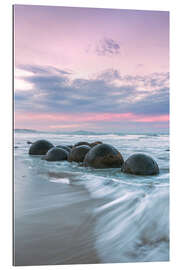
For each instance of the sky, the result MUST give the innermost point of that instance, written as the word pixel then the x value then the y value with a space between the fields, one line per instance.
pixel 102 70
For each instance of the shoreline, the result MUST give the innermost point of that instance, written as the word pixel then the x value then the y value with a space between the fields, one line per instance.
pixel 58 235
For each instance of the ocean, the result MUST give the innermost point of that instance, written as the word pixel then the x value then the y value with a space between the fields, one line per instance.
pixel 68 214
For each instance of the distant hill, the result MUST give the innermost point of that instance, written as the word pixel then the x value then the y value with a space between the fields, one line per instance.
pixel 26 130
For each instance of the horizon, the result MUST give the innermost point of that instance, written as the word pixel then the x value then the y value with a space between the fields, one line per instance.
pixel 99 70
pixel 79 132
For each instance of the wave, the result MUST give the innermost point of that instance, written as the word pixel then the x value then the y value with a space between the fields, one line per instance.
pixel 83 132
pixel 134 227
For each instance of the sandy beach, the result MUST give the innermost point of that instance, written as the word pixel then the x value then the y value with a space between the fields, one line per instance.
pixel 62 234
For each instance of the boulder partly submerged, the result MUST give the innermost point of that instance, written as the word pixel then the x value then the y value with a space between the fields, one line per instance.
pixel 95 143
pixel 40 147
pixel 81 143
pixel 103 156
pixel 78 153
pixel 56 154
pixel 140 164
pixel 70 146
pixel 67 148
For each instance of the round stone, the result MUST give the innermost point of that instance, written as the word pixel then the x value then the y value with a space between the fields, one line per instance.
pixel 68 149
pixel 70 146
pixel 40 147
pixel 56 154
pixel 103 156
pixel 95 143
pixel 78 153
pixel 82 143
pixel 140 164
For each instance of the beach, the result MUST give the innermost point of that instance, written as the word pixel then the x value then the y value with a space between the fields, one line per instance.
pixel 68 214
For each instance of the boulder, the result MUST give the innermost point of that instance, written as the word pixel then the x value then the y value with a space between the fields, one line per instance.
pixel 70 146
pixel 68 149
pixel 78 153
pixel 95 143
pixel 40 147
pixel 140 164
pixel 103 156
pixel 56 154
pixel 82 143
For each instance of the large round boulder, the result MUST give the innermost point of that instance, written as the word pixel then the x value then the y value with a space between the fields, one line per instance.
pixel 68 149
pixel 78 153
pixel 140 164
pixel 40 147
pixel 70 146
pixel 56 154
pixel 95 143
pixel 82 143
pixel 103 156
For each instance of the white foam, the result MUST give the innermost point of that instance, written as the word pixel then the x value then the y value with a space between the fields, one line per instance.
pixel 60 181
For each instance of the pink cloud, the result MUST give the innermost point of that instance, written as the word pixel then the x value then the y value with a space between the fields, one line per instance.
pixel 61 119
pixel 156 118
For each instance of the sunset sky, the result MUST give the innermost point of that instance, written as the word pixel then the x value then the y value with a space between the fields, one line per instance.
pixel 91 69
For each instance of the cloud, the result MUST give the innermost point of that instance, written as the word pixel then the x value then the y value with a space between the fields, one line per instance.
pixel 104 47
pixel 43 70
pixel 108 92
pixel 107 46
pixel 109 75
pixel 93 117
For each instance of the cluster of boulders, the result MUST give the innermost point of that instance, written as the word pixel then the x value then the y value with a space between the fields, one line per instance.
pixel 97 155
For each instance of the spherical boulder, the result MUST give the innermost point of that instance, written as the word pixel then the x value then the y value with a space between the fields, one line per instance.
pixel 103 156
pixel 78 153
pixel 82 143
pixel 40 147
pixel 95 143
pixel 68 149
pixel 70 146
pixel 56 154
pixel 140 164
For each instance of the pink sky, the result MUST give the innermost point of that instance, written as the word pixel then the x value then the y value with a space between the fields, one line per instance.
pixel 96 50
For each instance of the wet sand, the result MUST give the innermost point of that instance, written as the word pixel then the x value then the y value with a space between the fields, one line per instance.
pixel 62 233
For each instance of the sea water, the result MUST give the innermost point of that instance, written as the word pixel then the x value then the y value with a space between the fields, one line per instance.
pixel 128 216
